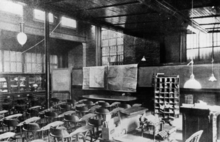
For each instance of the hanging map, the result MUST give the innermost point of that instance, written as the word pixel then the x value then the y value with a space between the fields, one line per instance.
pixel 122 78
pixel 96 76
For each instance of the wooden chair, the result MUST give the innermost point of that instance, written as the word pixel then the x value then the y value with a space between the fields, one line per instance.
pixel 195 137
pixel 7 136
pixel 31 128
pixel 71 122
pixel 59 134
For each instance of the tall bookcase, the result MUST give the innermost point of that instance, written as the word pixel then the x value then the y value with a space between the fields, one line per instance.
pixel 166 95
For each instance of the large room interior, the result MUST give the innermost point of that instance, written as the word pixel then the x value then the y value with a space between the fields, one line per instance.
pixel 110 70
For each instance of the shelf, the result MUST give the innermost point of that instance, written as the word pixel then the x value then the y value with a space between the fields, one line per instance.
pixel 166 93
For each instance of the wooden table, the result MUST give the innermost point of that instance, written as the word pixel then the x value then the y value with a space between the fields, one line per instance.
pixel 7 135
pixel 110 98
pixel 53 124
pixel 132 138
pixel 29 120
pixel 134 110
pixel 13 116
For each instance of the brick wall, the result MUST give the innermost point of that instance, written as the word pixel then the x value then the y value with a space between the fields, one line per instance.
pixel 135 48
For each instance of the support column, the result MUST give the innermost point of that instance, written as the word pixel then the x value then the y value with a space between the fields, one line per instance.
pixel 47 57
pixel 84 54
pixel 98 45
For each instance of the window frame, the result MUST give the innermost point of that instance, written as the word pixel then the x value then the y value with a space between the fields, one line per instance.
pixel 67 26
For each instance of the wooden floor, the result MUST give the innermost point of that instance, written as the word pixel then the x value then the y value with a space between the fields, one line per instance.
pixel 177 122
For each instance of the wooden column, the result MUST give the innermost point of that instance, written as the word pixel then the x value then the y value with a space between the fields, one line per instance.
pixel 47 57
pixel 98 45
pixel 84 54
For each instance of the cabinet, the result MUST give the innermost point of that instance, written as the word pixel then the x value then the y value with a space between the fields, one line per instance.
pixel 166 95
pixel 21 83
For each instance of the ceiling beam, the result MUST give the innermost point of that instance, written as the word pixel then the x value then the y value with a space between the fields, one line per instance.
pixel 209 16
pixel 112 5
pixel 131 14
pixel 209 24
pixel 166 7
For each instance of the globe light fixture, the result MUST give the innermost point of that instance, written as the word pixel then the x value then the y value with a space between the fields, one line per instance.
pixel 22 37
pixel 192 83
pixel 212 77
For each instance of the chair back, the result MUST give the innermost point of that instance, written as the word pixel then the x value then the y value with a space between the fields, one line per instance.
pixel 58 132
pixel 125 106
pixel 11 122
pixel 71 118
pixel 31 127
pixel 195 137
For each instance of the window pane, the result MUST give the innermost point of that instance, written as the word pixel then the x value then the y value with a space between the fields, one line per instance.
pixel 192 54
pixel 68 22
pixel 205 53
pixel 40 15
pixel 10 7
pixel 1 67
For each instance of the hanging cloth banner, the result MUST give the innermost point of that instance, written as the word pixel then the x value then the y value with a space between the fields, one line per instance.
pixel 122 78
pixel 94 77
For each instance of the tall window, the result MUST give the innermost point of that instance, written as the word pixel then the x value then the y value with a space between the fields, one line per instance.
pixel 202 47
pixel 112 47
pixel 12 61
pixel 10 7
pixel 33 63
pixel 1 58
pixel 68 22
pixel 40 15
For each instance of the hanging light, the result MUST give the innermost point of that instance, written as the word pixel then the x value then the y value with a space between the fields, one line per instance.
pixel 192 82
pixel 143 59
pixel 22 37
pixel 212 77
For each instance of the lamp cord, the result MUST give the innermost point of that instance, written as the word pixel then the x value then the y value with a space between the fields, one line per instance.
pixel 42 39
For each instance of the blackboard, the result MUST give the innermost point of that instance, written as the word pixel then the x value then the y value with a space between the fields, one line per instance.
pixel 61 80
pixel 77 77
pixel 202 72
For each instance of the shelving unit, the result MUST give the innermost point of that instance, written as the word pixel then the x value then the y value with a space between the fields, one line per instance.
pixel 166 95
pixel 21 83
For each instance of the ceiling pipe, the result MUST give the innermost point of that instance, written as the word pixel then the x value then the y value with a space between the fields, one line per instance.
pixel 172 11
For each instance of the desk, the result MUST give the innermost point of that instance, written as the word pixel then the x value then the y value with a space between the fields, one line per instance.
pixel 3 112
pixel 66 113
pixel 110 98
pixel 134 110
pixel 201 118
pixel 53 124
pixel 13 116
pixel 29 120
pixel 7 135
pixel 34 107
pixel 132 138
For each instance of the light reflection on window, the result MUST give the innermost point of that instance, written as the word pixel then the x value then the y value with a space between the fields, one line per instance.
pixel 11 7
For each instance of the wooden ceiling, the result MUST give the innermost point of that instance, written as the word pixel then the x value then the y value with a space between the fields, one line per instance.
pixel 142 18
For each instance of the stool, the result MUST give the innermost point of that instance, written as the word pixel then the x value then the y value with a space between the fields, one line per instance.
pixel 59 134
pixel 64 107
pixel 82 131
pixel 11 123
pixel 30 128
pixel 50 116
pixel 71 122
pixel 81 110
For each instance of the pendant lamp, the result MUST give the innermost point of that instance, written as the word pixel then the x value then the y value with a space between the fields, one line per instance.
pixel 143 58
pixel 22 37
pixel 192 83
